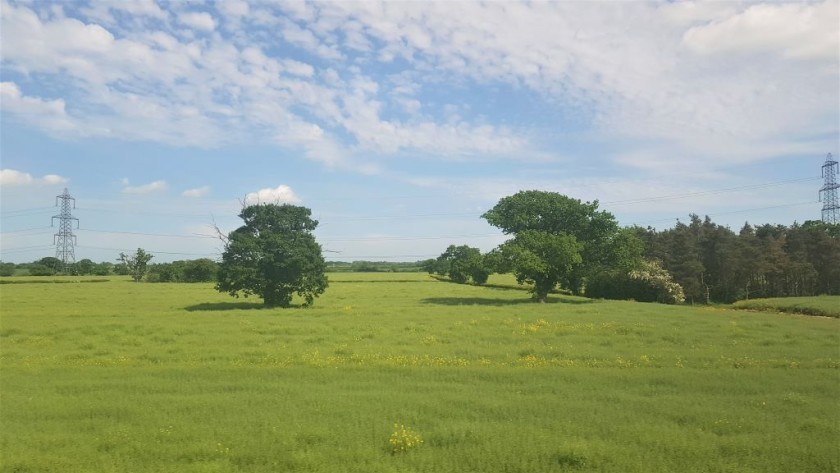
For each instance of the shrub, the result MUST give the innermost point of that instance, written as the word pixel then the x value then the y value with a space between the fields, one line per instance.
pixel 7 269
pixel 649 283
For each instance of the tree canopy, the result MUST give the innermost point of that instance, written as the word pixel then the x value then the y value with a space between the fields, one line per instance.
pixel 540 258
pixel 715 264
pixel 274 255
pixel 136 263
pixel 461 263
pixel 560 240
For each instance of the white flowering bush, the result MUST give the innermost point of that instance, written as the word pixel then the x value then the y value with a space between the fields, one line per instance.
pixel 658 278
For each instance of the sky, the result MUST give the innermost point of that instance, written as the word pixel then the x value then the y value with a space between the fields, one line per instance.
pixel 399 123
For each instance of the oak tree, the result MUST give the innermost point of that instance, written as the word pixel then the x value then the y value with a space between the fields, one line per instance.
pixel 274 255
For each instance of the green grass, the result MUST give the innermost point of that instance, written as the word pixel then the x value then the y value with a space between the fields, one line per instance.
pixel 826 306
pixel 120 376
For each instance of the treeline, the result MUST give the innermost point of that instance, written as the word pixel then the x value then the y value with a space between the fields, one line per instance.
pixel 373 267
pixel 713 263
pixel 199 270
pixel 698 262
pixel 695 262
pixel 51 266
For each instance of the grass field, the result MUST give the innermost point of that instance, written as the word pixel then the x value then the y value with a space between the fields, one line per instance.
pixel 826 306
pixel 123 377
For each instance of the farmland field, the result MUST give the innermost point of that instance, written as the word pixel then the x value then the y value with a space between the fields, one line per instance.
pixel 117 376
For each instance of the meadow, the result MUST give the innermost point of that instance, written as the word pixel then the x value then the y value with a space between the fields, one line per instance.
pixel 116 376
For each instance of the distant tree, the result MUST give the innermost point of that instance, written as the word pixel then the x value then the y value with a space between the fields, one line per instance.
pixel 750 264
pixel 719 253
pixel 815 245
pixel 364 267
pixel 274 256
pixel 564 222
pixel 655 245
pixel 200 270
pixel 85 267
pixel 121 269
pixel 462 263
pixel 166 272
pixel 103 269
pixel 436 266
pixel 429 265
pixel 684 262
pixel 54 264
pixel 38 269
pixel 479 270
pixel 540 258
pixel 7 269
pixel 136 264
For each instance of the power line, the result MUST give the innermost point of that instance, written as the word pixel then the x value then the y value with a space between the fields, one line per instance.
pixel 145 212
pixel 167 235
pixel 412 238
pixel 25 249
pixel 37 230
pixel 26 212
pixel 26 230
pixel 731 212
pixel 710 192
pixel 148 251
pixel 370 257
pixel 10 213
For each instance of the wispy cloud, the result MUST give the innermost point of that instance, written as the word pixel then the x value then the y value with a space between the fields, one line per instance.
pixel 363 80
pixel 14 178
pixel 156 186
pixel 799 31
pixel 197 192
pixel 198 20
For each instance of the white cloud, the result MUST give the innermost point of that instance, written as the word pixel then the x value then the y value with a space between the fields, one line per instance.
pixel 198 20
pixel 155 186
pixel 148 8
pixel 48 114
pixel 12 178
pixel 306 39
pixel 137 10
pixel 281 194
pixel 197 192
pixel 626 66
pixel 698 79
pixel 233 8
pixel 54 179
pixel 794 30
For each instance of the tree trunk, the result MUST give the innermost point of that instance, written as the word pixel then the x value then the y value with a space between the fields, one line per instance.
pixel 541 289
pixel 276 299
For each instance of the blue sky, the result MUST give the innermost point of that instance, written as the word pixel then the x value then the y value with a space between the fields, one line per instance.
pixel 400 123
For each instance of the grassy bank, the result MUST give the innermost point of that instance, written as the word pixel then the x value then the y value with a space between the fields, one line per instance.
pixel 826 306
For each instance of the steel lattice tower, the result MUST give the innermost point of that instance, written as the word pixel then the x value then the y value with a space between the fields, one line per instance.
pixel 65 239
pixel 828 193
